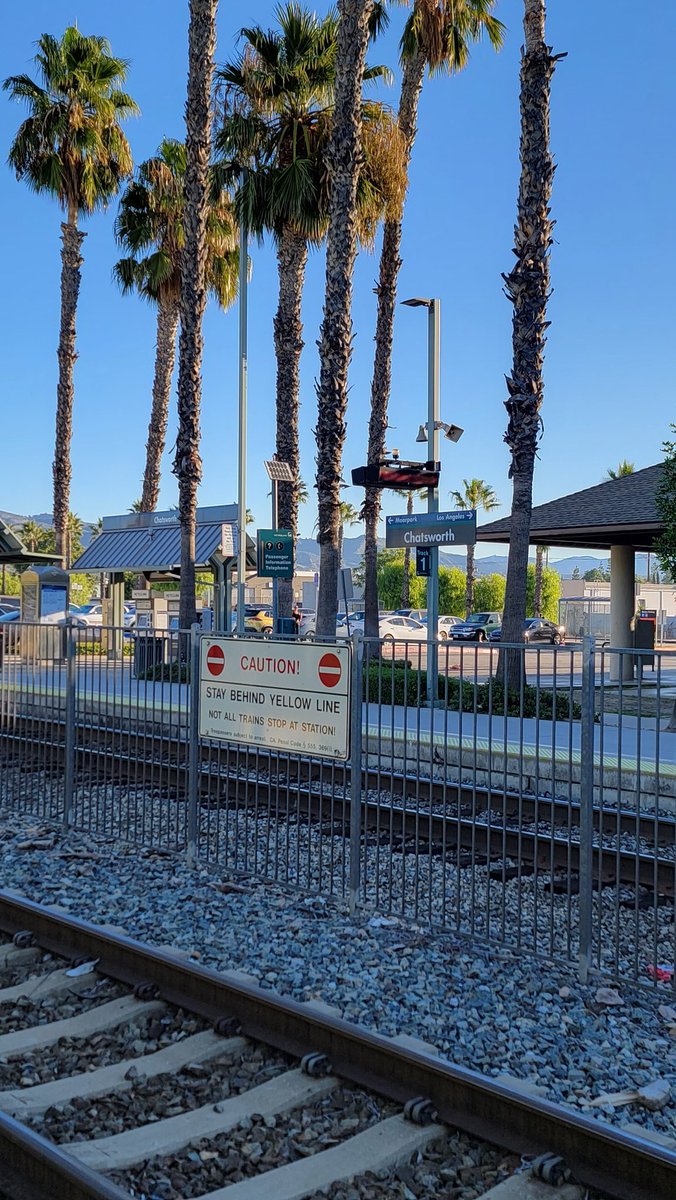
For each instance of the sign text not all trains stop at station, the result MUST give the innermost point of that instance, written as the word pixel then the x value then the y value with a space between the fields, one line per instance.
pixel 277 695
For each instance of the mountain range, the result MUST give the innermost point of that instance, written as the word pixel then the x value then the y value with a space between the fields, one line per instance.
pixel 307 552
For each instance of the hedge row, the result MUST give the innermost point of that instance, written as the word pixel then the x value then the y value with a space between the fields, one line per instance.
pixel 387 683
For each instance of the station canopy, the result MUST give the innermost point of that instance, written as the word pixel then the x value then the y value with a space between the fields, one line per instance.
pixel 617 512
pixel 151 542
pixel 14 552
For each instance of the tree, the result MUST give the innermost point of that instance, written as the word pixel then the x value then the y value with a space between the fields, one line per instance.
pixel 278 104
pixel 476 494
pixel 349 515
pixel 541 560
pixel 437 37
pixel 33 536
pixel 343 159
pixel 576 573
pixel 149 226
pixel 596 575
pixel 665 502
pixel 527 287
pixel 489 593
pixel 550 592
pixel 193 296
pixel 622 468
pixel 72 147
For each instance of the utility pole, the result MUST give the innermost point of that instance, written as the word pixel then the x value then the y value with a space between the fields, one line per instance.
pixel 433 452
pixel 241 458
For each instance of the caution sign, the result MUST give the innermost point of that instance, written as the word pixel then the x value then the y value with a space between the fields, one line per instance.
pixel 277 695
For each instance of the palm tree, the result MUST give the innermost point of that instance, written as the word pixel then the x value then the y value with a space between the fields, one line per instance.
pixel 32 535
pixel 541 561
pixel 193 296
pixel 475 494
pixel 527 287
pixel 72 147
pixel 278 105
pixel 349 515
pixel 623 468
pixel 437 38
pixel 343 159
pixel 406 581
pixel 150 226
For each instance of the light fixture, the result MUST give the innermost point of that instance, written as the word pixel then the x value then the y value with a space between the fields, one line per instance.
pixel 452 432
pixel 417 302
pixel 395 453
pixel 422 434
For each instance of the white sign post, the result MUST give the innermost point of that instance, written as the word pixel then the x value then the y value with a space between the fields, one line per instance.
pixel 278 695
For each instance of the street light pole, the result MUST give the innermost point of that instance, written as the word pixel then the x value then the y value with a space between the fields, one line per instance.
pixel 433 453
pixel 241 459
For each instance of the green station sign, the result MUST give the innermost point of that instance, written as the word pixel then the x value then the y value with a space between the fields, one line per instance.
pixel 275 554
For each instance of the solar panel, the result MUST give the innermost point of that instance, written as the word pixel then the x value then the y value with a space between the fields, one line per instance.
pixel 279 471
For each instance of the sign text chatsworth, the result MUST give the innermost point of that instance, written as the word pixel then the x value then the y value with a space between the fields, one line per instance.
pixel 431 529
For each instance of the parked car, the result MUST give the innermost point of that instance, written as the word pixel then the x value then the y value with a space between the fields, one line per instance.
pixel 476 628
pixel 6 607
pixel 91 614
pixel 536 629
pixel 402 628
pixel 417 614
pixel 445 625
pixel 307 623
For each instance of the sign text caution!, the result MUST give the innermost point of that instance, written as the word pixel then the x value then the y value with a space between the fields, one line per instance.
pixel 292 696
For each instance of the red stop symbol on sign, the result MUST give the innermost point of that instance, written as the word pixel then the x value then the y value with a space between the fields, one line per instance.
pixel 215 660
pixel 329 670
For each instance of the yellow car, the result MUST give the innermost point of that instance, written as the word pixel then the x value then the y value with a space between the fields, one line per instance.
pixel 258 620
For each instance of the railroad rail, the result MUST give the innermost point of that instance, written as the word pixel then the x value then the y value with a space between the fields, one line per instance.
pixel 438 816
pixel 598 1155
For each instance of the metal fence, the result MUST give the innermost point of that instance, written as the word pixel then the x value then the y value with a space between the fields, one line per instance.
pixel 541 818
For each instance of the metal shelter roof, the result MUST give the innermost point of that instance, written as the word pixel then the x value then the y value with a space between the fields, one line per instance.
pixel 617 512
pixel 152 541
pixel 14 551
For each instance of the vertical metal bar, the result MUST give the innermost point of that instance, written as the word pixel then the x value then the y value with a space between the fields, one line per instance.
pixel 433 387
pixel 586 807
pixel 275 581
pixel 241 466
pixel 356 668
pixel 69 741
pixel 193 751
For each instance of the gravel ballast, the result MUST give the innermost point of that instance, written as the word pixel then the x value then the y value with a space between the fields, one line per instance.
pixel 495 1010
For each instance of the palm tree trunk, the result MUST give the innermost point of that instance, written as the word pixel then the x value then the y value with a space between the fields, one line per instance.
pixel 406 580
pixel 187 462
pixel 469 582
pixel 537 590
pixel 527 286
pixel 335 343
pixel 390 265
pixel 165 352
pixel 288 329
pixel 71 262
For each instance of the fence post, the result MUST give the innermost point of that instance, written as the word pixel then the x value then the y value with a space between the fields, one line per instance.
pixel 355 768
pixel 69 737
pixel 193 743
pixel 586 808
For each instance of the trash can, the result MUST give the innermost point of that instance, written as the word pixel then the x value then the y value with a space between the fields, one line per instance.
pixel 149 654
pixel 645 627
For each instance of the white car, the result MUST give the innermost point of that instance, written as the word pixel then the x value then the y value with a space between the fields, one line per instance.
pixel 91 614
pixel 445 625
pixel 307 623
pixel 402 629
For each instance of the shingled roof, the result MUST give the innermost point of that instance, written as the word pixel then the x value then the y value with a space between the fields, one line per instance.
pixel 616 512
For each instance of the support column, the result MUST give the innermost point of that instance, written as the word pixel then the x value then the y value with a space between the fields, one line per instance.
pixel 622 608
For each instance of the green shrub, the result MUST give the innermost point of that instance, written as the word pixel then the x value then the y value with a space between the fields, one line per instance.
pixel 392 683
pixel 173 672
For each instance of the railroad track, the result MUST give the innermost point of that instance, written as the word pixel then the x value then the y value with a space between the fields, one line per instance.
pixel 430 815
pixel 307 1058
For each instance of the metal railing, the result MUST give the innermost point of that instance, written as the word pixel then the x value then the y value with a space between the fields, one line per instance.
pixel 540 818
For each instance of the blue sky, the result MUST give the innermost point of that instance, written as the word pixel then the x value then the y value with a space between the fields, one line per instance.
pixel 609 371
